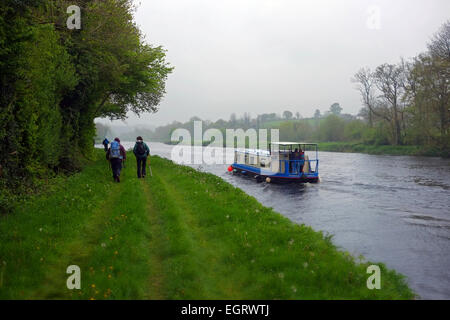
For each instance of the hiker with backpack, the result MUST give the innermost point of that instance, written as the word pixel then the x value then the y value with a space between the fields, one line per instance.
pixel 105 144
pixel 116 154
pixel 141 151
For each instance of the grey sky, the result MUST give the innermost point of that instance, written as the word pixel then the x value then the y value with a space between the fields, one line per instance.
pixel 263 56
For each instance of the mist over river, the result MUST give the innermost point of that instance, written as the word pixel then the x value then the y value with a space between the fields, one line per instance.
pixel 391 209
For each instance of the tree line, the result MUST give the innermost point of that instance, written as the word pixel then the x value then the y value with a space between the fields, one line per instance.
pixel 403 104
pixel 410 100
pixel 322 127
pixel 55 81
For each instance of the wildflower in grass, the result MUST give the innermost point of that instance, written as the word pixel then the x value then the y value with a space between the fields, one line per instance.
pixel 92 298
pixel 305 265
pixel 256 210
pixel 272 250
pixel 111 267
pixel 116 252
pixel 109 276
pixel 103 244
pixel 281 275
pixel 93 285
pixel 294 289
pixel 291 242
pixel 40 229
pixel 110 238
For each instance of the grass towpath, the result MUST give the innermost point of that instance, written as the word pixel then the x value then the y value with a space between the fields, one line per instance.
pixel 180 234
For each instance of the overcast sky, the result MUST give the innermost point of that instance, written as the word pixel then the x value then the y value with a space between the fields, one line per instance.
pixel 263 56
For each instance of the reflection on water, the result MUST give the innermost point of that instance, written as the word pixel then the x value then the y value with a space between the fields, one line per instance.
pixel 394 210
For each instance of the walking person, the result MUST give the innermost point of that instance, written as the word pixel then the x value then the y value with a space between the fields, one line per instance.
pixel 141 151
pixel 105 144
pixel 116 154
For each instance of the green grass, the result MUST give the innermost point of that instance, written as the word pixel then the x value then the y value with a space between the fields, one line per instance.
pixel 180 234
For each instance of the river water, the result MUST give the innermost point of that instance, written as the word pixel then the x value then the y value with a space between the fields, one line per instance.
pixel 390 209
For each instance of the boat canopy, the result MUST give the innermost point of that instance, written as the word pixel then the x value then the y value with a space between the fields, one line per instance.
pixel 289 146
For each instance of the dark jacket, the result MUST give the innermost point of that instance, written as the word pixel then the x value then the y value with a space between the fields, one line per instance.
pixel 146 148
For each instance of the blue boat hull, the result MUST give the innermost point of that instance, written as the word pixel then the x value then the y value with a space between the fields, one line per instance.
pixel 262 174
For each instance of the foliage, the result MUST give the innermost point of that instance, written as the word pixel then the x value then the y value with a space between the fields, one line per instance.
pixel 54 82
pixel 412 98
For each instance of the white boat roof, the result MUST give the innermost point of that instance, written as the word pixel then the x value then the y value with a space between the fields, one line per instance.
pixel 293 143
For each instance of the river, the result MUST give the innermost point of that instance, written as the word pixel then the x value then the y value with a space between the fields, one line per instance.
pixel 390 209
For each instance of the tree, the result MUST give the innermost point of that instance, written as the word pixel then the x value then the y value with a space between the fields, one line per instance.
pixel 54 82
pixel 365 85
pixel 246 118
pixel 233 120
pixel 332 129
pixel 335 109
pixel 439 47
pixel 389 79
pixel 287 115
pixel 298 115
pixel 195 118
pixel 317 114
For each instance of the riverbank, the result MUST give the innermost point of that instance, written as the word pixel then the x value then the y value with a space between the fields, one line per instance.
pixel 355 147
pixel 181 234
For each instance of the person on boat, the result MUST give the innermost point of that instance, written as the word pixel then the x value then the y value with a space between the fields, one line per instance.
pixel 301 157
pixel 105 144
pixel 295 158
pixel 116 154
pixel 141 151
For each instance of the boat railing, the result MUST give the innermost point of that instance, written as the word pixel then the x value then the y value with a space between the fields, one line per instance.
pixel 297 167
pixel 291 167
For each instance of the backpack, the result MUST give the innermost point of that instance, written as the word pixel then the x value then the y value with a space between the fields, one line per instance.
pixel 140 149
pixel 115 150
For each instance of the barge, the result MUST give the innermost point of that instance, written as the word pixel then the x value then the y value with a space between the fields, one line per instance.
pixel 283 162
